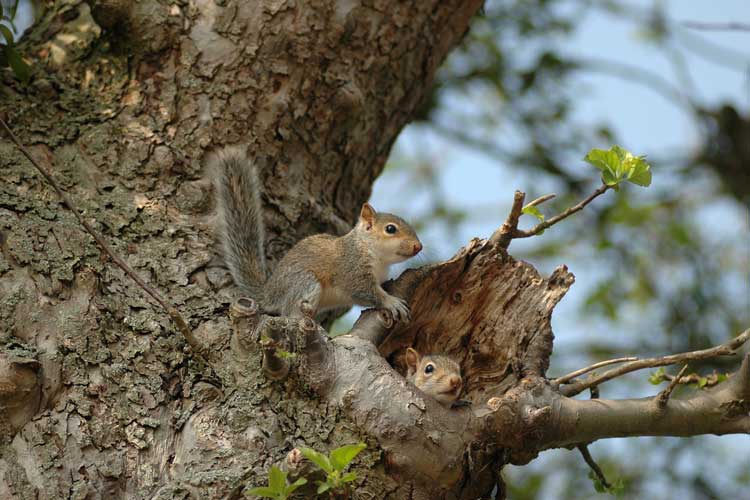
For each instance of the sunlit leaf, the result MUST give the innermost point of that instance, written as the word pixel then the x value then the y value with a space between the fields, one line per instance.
pixel 299 482
pixel 276 479
pixel 532 210
pixel 618 164
pixel 341 457
pixel 657 377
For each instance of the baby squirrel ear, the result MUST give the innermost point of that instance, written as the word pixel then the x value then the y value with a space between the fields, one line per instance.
pixel 412 359
pixel 367 216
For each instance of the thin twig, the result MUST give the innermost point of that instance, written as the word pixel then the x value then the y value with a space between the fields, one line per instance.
pixel 729 26
pixel 663 397
pixel 518 233
pixel 693 378
pixel 173 313
pixel 584 449
pixel 721 350
pixel 540 200
pixel 570 376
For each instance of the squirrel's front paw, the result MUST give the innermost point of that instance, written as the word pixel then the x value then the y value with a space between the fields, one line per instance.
pixel 398 308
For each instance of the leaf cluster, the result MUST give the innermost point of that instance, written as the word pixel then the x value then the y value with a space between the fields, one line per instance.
pixel 618 165
pixel 278 487
pixel 334 465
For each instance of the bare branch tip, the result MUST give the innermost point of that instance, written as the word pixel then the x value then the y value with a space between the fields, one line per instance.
pixel 540 200
pixel 584 449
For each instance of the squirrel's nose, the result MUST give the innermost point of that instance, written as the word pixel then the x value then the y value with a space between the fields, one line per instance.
pixel 417 248
pixel 455 382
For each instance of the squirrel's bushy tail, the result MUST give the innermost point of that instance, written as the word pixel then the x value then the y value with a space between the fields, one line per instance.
pixel 240 219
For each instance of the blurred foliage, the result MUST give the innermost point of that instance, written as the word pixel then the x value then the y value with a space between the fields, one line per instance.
pixel 9 56
pixel 661 267
pixel 654 245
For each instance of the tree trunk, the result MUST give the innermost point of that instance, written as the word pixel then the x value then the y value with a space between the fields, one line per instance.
pixel 101 394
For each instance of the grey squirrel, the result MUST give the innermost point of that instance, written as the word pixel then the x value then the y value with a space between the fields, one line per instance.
pixel 326 271
pixel 436 375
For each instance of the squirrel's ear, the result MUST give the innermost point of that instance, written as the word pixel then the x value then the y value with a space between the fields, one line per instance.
pixel 367 216
pixel 412 359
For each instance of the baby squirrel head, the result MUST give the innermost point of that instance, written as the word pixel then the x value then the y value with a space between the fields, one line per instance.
pixel 434 374
pixel 393 239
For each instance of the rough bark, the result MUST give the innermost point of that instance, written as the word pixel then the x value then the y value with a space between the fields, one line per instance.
pixel 102 397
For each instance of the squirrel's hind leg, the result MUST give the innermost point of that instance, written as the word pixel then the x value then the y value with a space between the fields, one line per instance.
pixel 300 286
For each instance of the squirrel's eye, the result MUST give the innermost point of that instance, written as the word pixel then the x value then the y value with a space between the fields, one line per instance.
pixel 429 368
pixel 391 229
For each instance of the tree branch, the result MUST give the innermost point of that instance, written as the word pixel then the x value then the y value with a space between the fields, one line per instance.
pixel 581 371
pixel 728 26
pixel 173 313
pixel 518 233
pixel 509 230
pixel 576 387
pixel 709 380
pixel 503 236
pixel 663 397
pixel 586 454
pixel 372 325
pixel 724 409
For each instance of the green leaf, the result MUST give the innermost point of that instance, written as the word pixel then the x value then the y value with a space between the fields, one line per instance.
pixel 341 457
pixel 532 210
pixel 318 459
pixel 20 68
pixel 12 25
pixel 323 487
pixel 610 178
pixel 276 479
pixel 639 172
pixel 618 164
pixel 13 9
pixel 603 160
pixel 299 482
pixel 7 34
pixel 721 377
pixel 263 491
pixel 348 477
pixel 702 381
pixel 657 376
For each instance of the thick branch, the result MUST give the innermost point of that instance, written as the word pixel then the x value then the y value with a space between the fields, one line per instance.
pixel 576 387
pixel 724 409
pixel 372 325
